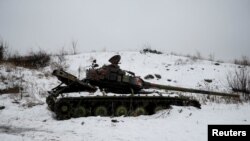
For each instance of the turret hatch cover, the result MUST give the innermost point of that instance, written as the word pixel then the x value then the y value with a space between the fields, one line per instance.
pixel 115 59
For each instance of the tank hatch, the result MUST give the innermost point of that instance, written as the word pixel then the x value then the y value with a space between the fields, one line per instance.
pixel 115 59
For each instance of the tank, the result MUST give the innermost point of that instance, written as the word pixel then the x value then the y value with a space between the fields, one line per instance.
pixel 134 97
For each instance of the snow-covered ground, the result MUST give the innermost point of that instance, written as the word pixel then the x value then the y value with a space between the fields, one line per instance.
pixel 29 119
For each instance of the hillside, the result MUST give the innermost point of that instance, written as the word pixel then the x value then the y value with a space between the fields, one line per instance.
pixel 28 118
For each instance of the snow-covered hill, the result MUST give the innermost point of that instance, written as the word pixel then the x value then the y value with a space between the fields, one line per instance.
pixel 29 119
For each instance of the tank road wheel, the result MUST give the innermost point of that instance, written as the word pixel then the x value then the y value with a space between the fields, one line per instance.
pixel 158 108
pixel 121 110
pixel 63 110
pixel 80 111
pixel 139 111
pixel 101 111
pixel 51 102
pixel 194 103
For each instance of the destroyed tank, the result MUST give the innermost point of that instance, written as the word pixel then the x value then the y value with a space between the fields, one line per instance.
pixel 133 99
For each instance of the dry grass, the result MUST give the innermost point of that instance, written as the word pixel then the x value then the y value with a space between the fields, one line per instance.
pixel 34 60
pixel 239 81
pixel 244 61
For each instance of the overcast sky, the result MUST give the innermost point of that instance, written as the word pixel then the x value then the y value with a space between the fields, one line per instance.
pixel 218 27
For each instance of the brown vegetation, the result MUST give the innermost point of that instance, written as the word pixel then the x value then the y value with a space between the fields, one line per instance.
pixel 34 60
pixel 3 48
pixel 239 81
pixel 243 61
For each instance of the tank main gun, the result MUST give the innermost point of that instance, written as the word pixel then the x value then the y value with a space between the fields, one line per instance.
pixel 148 85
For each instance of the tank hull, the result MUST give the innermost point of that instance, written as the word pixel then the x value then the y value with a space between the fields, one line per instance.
pixel 67 107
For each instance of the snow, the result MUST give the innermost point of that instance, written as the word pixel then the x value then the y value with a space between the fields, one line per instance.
pixel 20 120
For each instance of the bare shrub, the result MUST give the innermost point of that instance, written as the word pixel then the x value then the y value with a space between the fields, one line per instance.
pixel 180 62
pixel 196 57
pixel 211 57
pixel 39 59
pixel 63 52
pixel 193 58
pixel 11 90
pixel 60 61
pixel 34 60
pixel 243 61
pixel 3 49
pixel 239 81
pixel 147 49
pixel 174 54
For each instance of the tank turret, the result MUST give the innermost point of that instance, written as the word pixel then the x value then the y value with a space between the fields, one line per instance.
pixel 112 79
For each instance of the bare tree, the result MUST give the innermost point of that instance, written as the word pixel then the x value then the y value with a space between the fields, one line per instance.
pixel 74 44
pixel 3 49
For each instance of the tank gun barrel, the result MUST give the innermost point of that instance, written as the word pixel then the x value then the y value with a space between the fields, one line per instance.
pixel 148 85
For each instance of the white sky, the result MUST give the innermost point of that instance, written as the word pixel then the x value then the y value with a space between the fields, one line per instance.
pixel 218 27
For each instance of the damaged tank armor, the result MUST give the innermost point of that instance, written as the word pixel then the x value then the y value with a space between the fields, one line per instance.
pixel 111 79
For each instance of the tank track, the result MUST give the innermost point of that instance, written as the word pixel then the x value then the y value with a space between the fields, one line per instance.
pixel 68 107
